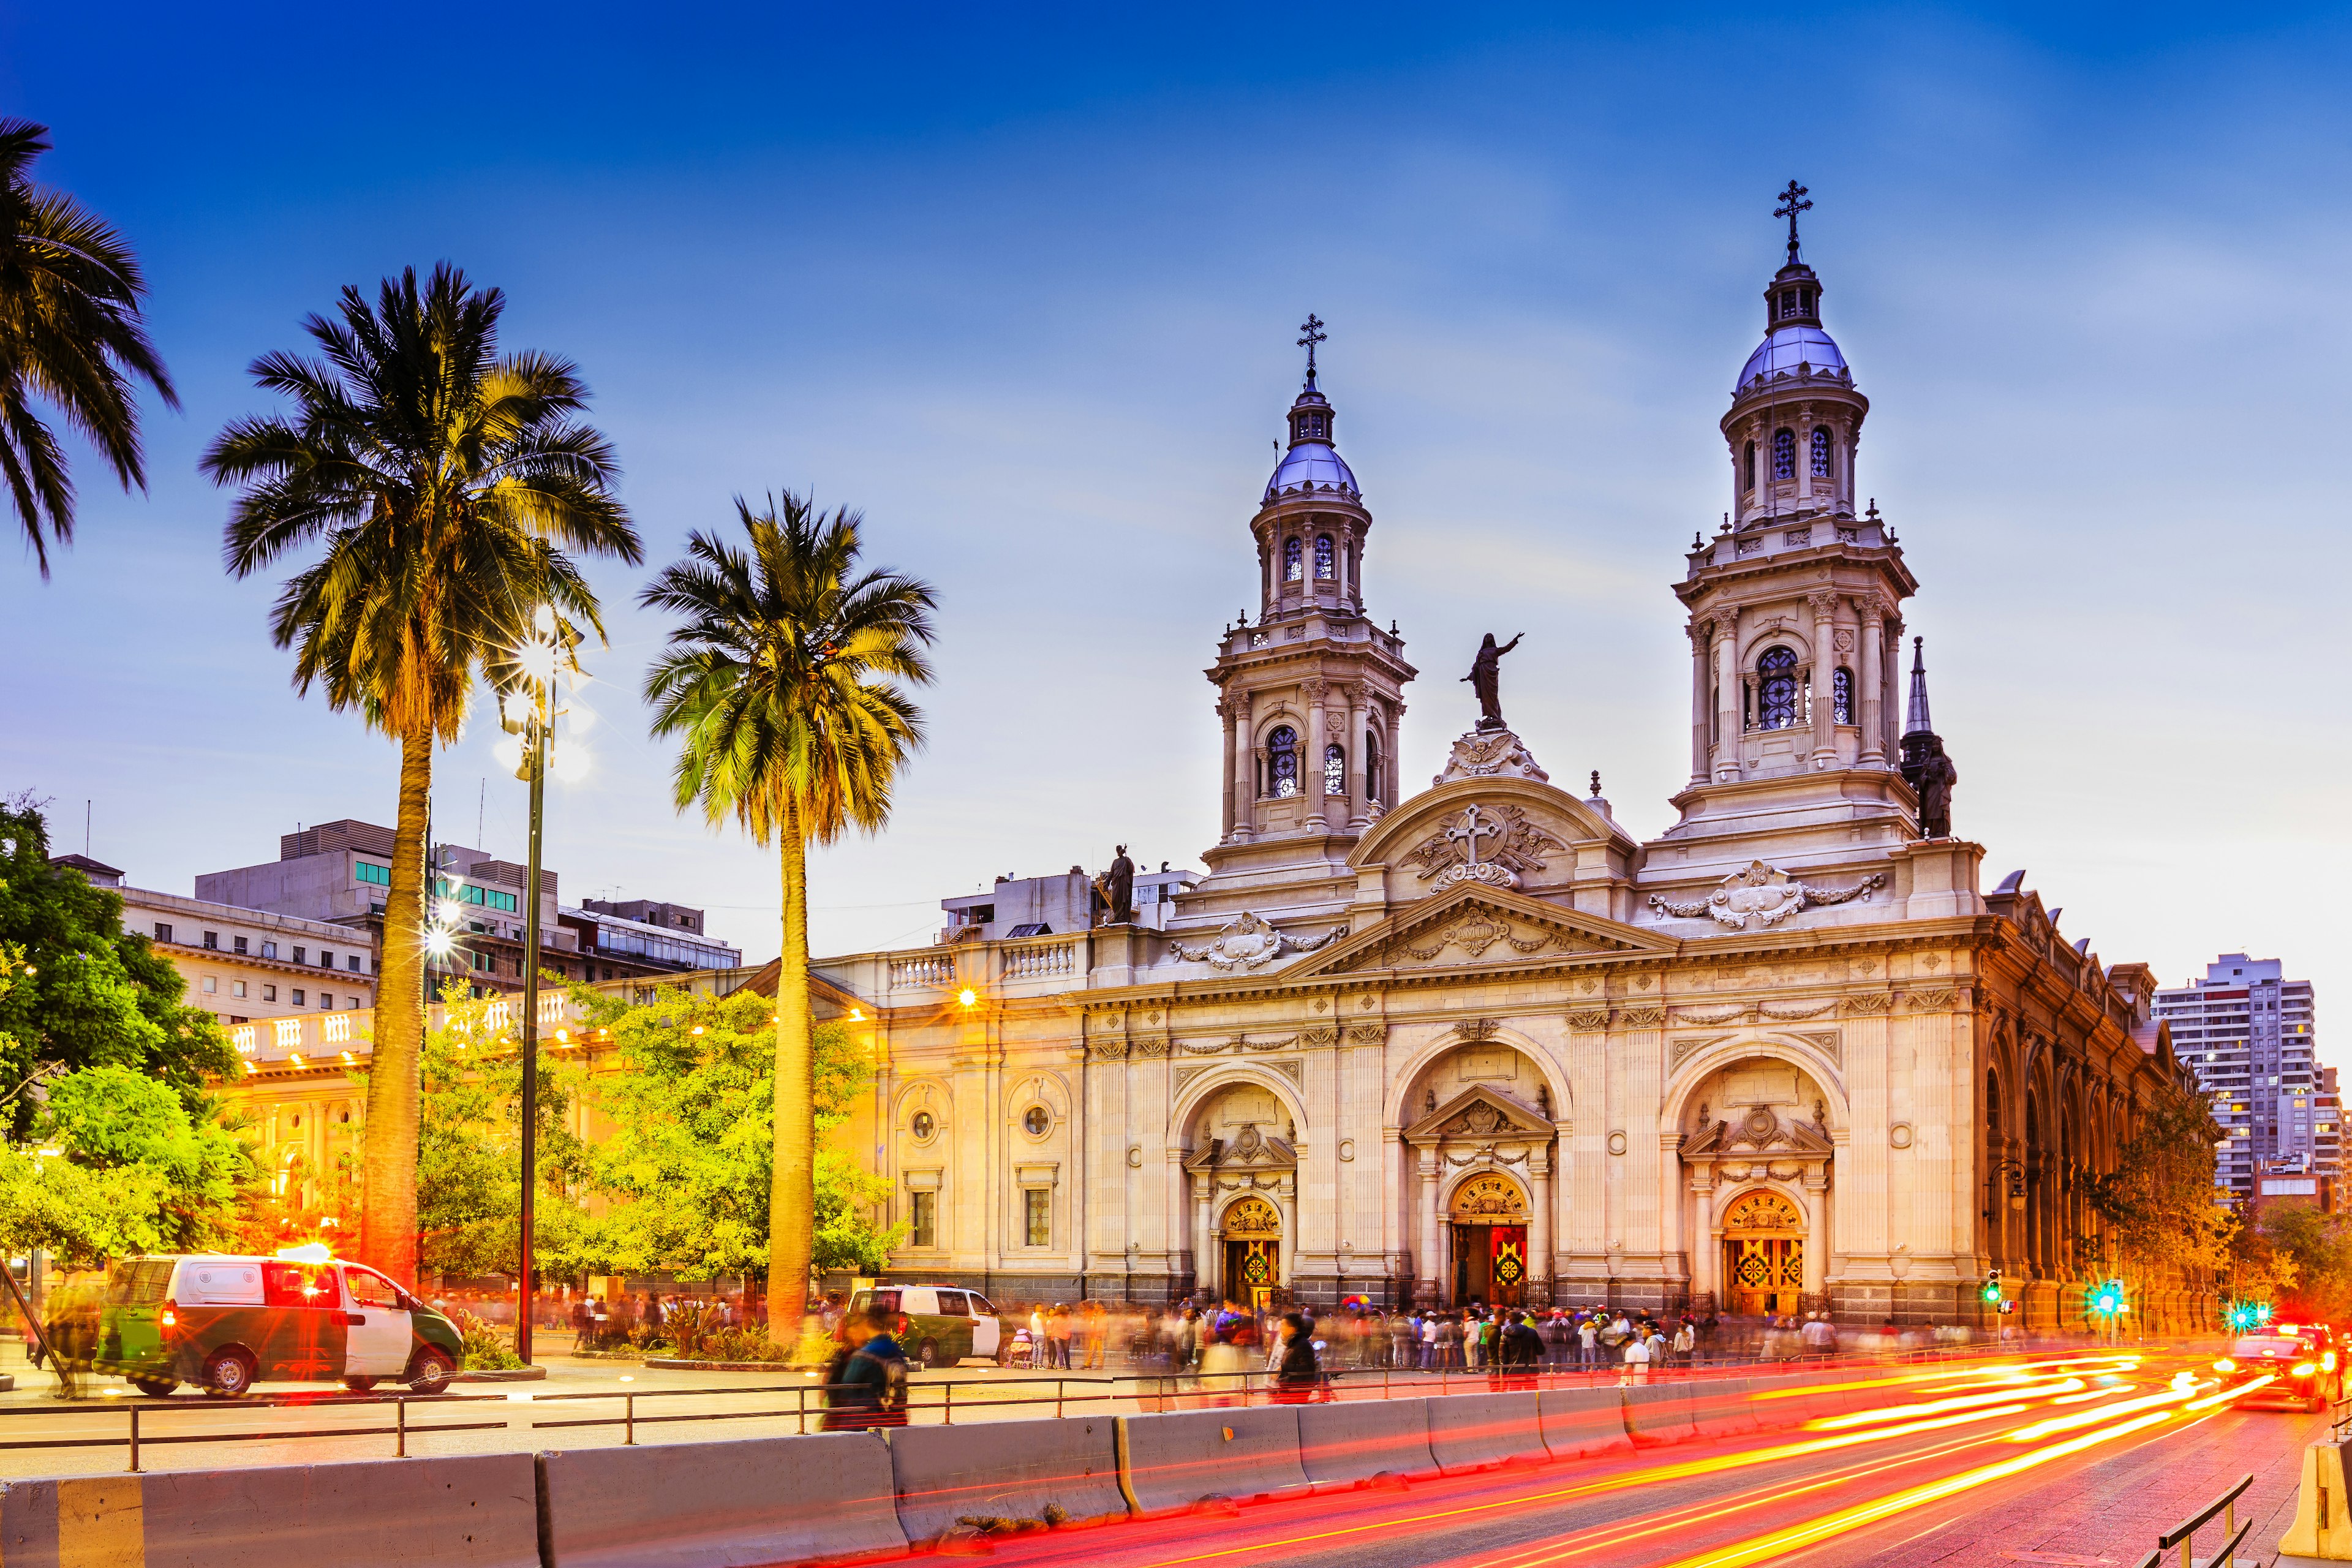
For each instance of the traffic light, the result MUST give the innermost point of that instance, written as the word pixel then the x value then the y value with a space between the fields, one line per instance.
pixel 2108 1297
pixel 1990 1294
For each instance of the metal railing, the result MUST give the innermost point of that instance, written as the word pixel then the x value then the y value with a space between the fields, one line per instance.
pixel 809 1407
pixel 2181 1535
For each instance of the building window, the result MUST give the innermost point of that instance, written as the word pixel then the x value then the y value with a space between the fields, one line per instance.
pixel 326 1001
pixel 1325 562
pixel 1335 769
pixel 270 994
pixel 326 959
pixel 1292 561
pixel 1748 468
pixel 238 942
pixel 1282 762
pixel 1372 765
pixel 297 996
pixel 1821 451
pixel 368 871
pixel 922 1216
pixel 237 987
pixel 1842 697
pixel 352 963
pixel 1036 1120
pixel 922 1127
pixel 268 950
pixel 1776 688
pixel 211 985
pixel 163 931
pixel 299 954
pixel 1037 1215
pixel 212 940
pixel 1784 454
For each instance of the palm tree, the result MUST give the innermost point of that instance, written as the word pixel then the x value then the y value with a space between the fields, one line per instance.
pixel 446 484
pixel 782 684
pixel 69 336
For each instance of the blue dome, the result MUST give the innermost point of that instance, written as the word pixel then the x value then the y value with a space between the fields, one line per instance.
pixel 1311 465
pixel 1786 348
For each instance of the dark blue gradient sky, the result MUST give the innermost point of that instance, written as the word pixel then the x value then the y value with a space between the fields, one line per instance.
pixel 1022 284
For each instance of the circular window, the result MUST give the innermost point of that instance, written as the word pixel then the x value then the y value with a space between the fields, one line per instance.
pixel 923 1126
pixel 1035 1122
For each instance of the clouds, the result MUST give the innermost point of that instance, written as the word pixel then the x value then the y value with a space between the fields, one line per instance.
pixel 1025 293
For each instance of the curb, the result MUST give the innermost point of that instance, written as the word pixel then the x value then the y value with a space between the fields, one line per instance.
pixel 678 1364
pixel 502 1375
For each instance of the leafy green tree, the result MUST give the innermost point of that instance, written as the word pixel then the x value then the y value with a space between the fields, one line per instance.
pixel 446 484
pixel 686 1168
pixel 469 1157
pixel 2316 1250
pixel 85 993
pixel 70 336
pixel 782 687
pixel 2162 1223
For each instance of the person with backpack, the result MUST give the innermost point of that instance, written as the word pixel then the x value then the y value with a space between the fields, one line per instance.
pixel 866 1388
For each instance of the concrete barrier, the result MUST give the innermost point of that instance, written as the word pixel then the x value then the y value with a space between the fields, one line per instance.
pixel 1585 1423
pixel 473 1511
pixel 1347 1444
pixel 1657 1413
pixel 2322 1529
pixel 1720 1406
pixel 762 1500
pixel 1171 1462
pixel 1482 1431
pixel 1005 1470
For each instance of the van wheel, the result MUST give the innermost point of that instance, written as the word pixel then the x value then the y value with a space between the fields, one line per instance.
pixel 360 1385
pixel 154 1387
pixel 928 1353
pixel 431 1370
pixel 228 1374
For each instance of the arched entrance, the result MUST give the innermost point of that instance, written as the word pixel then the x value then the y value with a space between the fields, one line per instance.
pixel 1489 1216
pixel 1252 1237
pixel 1763 1253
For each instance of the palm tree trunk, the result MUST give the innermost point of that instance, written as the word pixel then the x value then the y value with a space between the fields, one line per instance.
pixel 388 1150
pixel 792 1199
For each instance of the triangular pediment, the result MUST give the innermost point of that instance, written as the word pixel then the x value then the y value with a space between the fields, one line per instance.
pixel 1470 927
pixel 1480 1113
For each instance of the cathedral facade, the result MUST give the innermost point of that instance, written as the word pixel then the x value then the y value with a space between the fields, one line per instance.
pixel 1473 1040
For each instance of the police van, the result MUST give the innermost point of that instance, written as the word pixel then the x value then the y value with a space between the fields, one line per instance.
pixel 224 1323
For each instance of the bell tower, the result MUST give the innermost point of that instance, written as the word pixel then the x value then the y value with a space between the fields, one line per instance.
pixel 1309 691
pixel 1795 608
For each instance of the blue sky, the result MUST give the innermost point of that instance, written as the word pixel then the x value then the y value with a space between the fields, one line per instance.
pixel 1022 284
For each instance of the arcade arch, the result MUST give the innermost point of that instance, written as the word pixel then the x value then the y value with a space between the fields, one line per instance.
pixel 1479 1149
pixel 1242 1176
pixel 1758 1151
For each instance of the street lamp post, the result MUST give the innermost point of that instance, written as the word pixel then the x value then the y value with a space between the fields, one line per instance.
pixel 538 660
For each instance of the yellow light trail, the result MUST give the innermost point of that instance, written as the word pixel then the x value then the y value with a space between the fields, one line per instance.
pixel 1796 1537
pixel 1937 1407
pixel 2224 1395
pixel 2056 1425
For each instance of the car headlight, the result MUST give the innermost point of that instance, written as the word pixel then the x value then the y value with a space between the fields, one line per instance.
pixel 2307 1369
pixel 2225 1364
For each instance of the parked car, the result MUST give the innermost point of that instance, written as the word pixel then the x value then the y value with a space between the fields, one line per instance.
pixel 939 1325
pixel 2299 1374
pixel 224 1323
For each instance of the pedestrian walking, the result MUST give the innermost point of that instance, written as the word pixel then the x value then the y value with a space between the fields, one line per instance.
pixel 1637 1360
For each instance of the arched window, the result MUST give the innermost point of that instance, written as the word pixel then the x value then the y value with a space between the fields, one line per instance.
pixel 1748 468
pixel 1335 769
pixel 1820 452
pixel 1842 697
pixel 1372 765
pixel 1325 563
pixel 1776 688
pixel 1292 561
pixel 1282 762
pixel 1784 454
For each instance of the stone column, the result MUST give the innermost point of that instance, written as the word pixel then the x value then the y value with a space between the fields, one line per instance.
pixel 1287 1203
pixel 1824 605
pixel 1701 635
pixel 1180 1236
pixel 1890 683
pixel 1817 1259
pixel 1539 1270
pixel 1726 701
pixel 1707 1243
pixel 1225 725
pixel 1318 810
pixel 1245 773
pixel 1206 1264
pixel 1391 720
pixel 1804 453
pixel 1872 612
pixel 1426 1265
pixel 1351 742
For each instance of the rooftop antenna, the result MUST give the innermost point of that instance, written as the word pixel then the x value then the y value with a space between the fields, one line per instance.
pixel 87 804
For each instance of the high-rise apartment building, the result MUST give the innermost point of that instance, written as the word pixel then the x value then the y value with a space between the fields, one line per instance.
pixel 2250 1036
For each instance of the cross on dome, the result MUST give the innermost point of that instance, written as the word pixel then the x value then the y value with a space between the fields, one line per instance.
pixel 1792 201
pixel 1313 329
